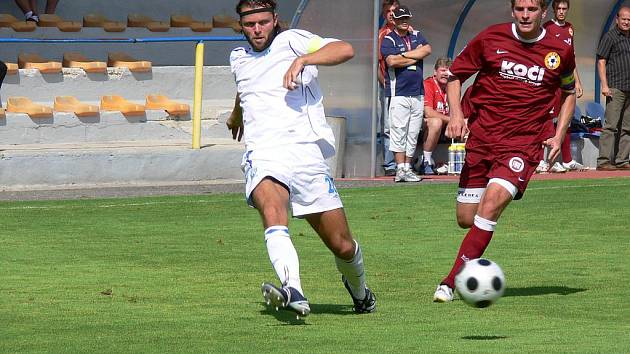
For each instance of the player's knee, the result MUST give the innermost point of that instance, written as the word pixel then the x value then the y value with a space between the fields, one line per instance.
pixel 344 249
pixel 464 222
pixel 434 124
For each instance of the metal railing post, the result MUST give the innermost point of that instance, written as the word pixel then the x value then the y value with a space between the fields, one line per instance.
pixel 196 131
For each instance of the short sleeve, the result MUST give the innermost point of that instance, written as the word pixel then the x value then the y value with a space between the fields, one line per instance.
pixel 235 55
pixel 470 60
pixel 388 47
pixel 304 42
pixel 429 94
pixel 605 46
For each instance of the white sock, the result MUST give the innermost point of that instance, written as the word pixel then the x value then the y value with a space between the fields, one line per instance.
pixel 354 272
pixel 400 166
pixel 485 224
pixel 407 166
pixel 283 256
pixel 428 156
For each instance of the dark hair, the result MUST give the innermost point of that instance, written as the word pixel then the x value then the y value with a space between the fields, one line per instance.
pixel 555 3
pixel 541 3
pixel 443 62
pixel 254 4
pixel 389 3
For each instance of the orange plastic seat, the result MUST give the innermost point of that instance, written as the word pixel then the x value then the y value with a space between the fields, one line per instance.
pixel 118 103
pixel 181 20
pixel 72 105
pixel 158 26
pixel 69 26
pixel 112 26
pixel 201 26
pixel 35 61
pixel 138 20
pixel 98 20
pixel 164 103
pixel 77 60
pixel 6 20
pixel 226 21
pixel 48 20
pixel 25 105
pixel 23 26
pixel 12 68
pixel 119 59
pixel 2 114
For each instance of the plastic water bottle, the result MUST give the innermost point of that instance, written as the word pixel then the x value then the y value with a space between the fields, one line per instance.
pixel 459 158
pixel 451 158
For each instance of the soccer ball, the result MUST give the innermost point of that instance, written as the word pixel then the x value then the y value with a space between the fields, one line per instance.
pixel 480 282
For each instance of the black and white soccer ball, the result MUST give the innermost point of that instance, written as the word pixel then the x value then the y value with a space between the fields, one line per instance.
pixel 480 282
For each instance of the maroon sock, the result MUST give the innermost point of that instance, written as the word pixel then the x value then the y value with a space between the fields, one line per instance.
pixel 565 149
pixel 473 246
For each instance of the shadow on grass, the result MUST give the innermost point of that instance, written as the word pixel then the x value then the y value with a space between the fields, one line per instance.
pixel 291 318
pixel 484 337
pixel 542 290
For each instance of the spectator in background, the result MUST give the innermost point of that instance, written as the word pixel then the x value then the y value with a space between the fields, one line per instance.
pixel 404 51
pixel 613 66
pixel 563 30
pixel 519 67
pixel 29 8
pixel 3 73
pixel 435 112
pixel 387 26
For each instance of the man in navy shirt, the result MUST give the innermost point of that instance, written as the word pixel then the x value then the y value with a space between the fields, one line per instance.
pixel 403 51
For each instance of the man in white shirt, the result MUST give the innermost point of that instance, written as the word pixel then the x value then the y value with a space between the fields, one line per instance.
pixel 279 111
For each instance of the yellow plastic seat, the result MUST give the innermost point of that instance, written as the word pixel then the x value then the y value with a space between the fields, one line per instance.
pixel 6 20
pixel 72 105
pixel 69 26
pixel 118 103
pixel 164 103
pixel 12 68
pixel 25 105
pixel 226 21
pixel 23 26
pixel 48 20
pixel 78 60
pixel 35 61
pixel 120 59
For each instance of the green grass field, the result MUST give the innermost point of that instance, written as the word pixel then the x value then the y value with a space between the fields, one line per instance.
pixel 182 274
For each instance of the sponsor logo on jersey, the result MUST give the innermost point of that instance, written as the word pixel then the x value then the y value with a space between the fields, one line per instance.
pixel 568 41
pixel 516 164
pixel 532 75
pixel 552 60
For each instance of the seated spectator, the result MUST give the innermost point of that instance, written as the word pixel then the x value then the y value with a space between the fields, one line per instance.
pixel 435 112
pixel 29 8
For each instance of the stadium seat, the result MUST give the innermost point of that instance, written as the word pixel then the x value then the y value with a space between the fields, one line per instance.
pixel 98 20
pixel 577 114
pixel 119 59
pixel 77 60
pixel 226 21
pixel 73 105
pixel 12 68
pixel 201 26
pixel 48 20
pixel 188 21
pixel 69 26
pixel 595 110
pixel 118 103
pixel 164 103
pixel 158 26
pixel 35 61
pixel 25 105
pixel 143 21
pixel 23 26
pixel 2 114
pixel 6 20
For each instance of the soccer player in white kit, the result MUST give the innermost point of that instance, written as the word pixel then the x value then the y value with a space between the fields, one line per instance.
pixel 279 112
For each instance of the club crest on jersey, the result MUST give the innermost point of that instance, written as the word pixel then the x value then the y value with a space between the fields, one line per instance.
pixel 533 75
pixel 571 31
pixel 552 60
pixel 516 164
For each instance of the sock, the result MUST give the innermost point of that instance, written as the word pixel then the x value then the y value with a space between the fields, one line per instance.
pixel 354 273
pixel 400 166
pixel 407 166
pixel 473 246
pixel 428 157
pixel 283 256
pixel 565 149
pixel 28 14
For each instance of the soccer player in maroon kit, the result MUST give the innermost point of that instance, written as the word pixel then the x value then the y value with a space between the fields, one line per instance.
pixel 519 68
pixel 562 29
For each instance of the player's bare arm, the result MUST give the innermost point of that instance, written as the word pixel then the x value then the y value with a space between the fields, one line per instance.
pixel 579 91
pixel 567 108
pixel 331 54
pixel 235 121
pixel 411 57
pixel 456 127
pixel 601 70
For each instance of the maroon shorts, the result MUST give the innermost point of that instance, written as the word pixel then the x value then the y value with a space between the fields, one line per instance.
pixel 487 161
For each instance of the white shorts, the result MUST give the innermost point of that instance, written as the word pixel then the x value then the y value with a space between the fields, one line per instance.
pixel 301 168
pixel 405 116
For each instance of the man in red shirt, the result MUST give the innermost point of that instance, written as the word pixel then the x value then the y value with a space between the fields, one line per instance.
pixel 519 68
pixel 435 112
pixel 562 29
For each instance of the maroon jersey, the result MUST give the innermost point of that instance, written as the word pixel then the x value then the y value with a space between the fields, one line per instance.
pixel 564 33
pixel 515 86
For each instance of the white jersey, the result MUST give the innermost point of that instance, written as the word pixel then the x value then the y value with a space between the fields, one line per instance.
pixel 273 115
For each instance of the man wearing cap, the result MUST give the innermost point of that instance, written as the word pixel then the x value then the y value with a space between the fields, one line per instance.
pixel 404 50
pixel 279 111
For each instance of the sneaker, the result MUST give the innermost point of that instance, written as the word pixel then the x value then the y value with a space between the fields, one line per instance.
pixel 400 175
pixel 558 168
pixel 543 167
pixel 367 305
pixel 442 170
pixel 409 176
pixel 573 166
pixel 285 298
pixel 427 169
pixel 443 294
pixel 390 172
